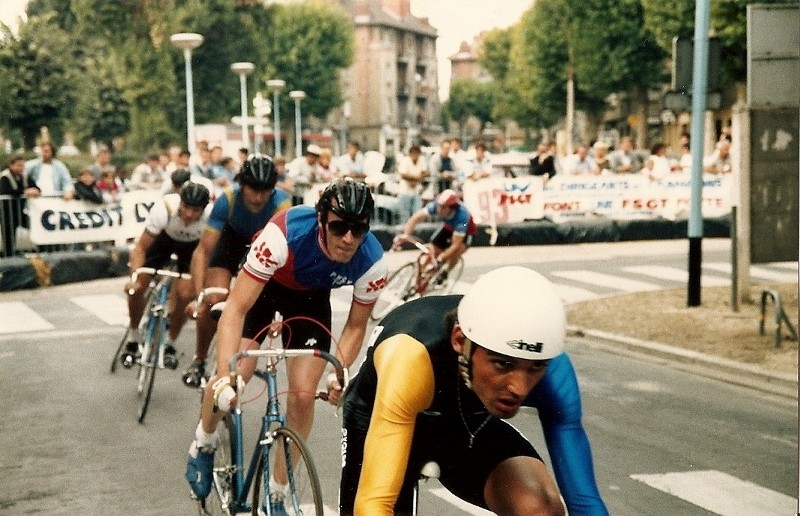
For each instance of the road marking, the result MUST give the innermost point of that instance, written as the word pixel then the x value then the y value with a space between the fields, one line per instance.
pixel 674 274
pixel 607 280
pixel 570 294
pixel 761 272
pixel 109 308
pixel 720 493
pixel 17 317
pixel 452 499
pixel 766 274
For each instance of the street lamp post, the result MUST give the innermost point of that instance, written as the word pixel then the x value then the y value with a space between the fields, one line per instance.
pixel 276 85
pixel 243 69
pixel 188 41
pixel 297 96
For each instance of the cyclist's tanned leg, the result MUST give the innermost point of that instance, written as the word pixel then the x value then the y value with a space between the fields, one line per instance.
pixel 304 374
pixel 206 325
pixel 522 486
pixel 180 296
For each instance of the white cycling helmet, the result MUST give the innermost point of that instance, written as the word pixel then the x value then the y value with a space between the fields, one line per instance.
pixel 514 311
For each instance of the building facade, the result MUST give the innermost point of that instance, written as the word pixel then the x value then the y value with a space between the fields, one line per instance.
pixel 391 90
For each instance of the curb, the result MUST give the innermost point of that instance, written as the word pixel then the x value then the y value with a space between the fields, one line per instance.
pixel 719 368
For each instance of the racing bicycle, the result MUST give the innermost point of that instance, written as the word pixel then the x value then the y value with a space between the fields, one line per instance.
pixel 153 326
pixel 233 482
pixel 415 278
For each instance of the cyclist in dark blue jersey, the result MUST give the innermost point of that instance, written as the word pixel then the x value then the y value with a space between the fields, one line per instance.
pixel 237 215
pixel 291 267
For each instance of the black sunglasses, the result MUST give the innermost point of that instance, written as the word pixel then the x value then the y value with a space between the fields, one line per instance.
pixel 340 228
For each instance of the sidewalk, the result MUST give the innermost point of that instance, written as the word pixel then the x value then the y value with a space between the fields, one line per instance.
pixel 718 368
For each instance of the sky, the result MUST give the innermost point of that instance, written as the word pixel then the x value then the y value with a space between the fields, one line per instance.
pixel 455 21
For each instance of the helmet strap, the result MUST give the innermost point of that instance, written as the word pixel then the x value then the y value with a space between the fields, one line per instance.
pixel 465 363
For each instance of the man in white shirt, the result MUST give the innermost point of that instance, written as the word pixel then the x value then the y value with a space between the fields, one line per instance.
pixel 351 164
pixel 49 174
pixel 303 172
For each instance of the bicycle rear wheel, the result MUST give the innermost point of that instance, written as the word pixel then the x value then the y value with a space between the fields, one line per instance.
pixel 223 491
pixel 305 494
pixel 399 289
pixel 147 377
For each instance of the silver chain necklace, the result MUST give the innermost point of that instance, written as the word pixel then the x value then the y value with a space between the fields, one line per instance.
pixel 464 420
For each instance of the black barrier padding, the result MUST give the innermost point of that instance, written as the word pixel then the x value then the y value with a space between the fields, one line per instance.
pixel 17 273
pixel 530 232
pixel 74 266
pixel 651 229
pixel 588 231
pixel 717 227
pixel 118 262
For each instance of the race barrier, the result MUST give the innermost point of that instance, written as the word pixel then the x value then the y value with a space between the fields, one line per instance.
pixel 510 212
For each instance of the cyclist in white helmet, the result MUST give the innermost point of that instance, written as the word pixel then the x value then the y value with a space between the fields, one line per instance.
pixel 441 375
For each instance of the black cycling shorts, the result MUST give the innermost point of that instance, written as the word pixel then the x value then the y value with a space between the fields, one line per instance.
pixel 440 438
pixel 444 237
pixel 157 255
pixel 230 251
pixel 297 334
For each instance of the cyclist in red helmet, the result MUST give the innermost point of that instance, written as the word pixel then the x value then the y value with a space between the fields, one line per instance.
pixel 455 235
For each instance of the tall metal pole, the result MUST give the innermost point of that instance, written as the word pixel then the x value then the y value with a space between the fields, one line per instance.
pixel 297 96
pixel 243 70
pixel 276 85
pixel 187 56
pixel 188 42
pixel 699 91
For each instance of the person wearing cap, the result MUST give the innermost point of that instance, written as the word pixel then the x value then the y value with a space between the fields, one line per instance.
pixel 455 235
pixel 441 376
pixel 303 172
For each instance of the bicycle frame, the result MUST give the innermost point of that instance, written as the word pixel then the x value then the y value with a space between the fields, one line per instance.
pixel 242 482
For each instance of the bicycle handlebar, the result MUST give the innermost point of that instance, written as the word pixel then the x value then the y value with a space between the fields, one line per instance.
pixel 156 272
pixel 399 239
pixel 208 291
pixel 341 371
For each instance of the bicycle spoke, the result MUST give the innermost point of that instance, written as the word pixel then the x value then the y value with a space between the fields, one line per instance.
pixel 399 289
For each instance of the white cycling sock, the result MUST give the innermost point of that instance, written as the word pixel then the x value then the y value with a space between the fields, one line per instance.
pixel 276 488
pixel 204 439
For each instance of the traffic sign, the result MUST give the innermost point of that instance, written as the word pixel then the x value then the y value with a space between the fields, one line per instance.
pixel 251 120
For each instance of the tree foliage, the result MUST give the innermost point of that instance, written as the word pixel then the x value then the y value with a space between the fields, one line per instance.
pixel 470 97
pixel 308 44
pixel 39 76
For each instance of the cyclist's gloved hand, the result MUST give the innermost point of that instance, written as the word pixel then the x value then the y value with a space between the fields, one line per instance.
pixel 224 394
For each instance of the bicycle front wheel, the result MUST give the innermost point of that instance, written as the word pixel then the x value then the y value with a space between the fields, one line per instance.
pixel 221 499
pixel 122 344
pixel 399 289
pixel 304 495
pixel 147 376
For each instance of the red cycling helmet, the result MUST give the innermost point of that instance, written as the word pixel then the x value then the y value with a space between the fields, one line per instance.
pixel 447 198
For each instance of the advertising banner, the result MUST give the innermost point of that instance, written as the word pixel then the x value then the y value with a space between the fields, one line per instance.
pixel 56 221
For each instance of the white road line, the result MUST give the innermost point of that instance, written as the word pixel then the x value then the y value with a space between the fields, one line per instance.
pixel 570 294
pixel 720 493
pixel 761 272
pixel 17 317
pixel 607 280
pixel 675 274
pixel 766 274
pixel 452 499
pixel 109 308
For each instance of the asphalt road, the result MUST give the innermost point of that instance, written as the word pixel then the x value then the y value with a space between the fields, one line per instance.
pixel 665 441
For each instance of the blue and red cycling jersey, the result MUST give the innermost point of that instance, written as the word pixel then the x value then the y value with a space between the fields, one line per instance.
pixel 291 250
pixel 460 222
